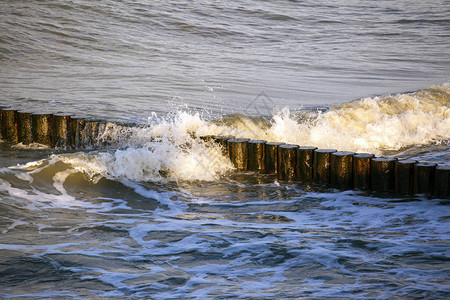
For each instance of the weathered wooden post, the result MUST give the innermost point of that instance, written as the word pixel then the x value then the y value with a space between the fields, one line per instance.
pixel 76 127
pixel 238 151
pixel 322 165
pixel 256 155
pixel 61 131
pixel 442 182
pixel 361 170
pixel 304 165
pixel 222 141
pixel 25 127
pixel 424 175
pixel 404 176
pixel 89 134
pixel 1 122
pixel 207 138
pixel 43 129
pixel 342 170
pixel 287 160
pixel 9 125
pixel 271 157
pixel 382 174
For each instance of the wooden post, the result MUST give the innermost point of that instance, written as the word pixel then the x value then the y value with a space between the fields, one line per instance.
pixel 442 182
pixel 361 170
pixel 238 150
pixel 89 134
pixel 304 165
pixel 1 122
pixel 25 127
pixel 382 174
pixel 207 138
pixel 256 154
pixel 271 157
pixel 222 141
pixel 424 175
pixel 287 159
pixel 322 165
pixel 404 176
pixel 342 170
pixel 62 131
pixel 43 129
pixel 101 130
pixel 76 126
pixel 9 125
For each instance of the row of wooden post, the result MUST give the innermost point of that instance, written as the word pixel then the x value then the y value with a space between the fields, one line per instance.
pixel 343 170
pixel 339 169
pixel 53 130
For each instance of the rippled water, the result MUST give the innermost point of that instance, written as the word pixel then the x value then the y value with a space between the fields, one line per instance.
pixel 162 214
pixel 244 236
pixel 125 59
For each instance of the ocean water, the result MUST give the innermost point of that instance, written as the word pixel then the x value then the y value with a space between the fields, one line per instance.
pixel 161 214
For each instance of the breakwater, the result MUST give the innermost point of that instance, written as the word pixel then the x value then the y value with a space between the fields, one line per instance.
pixel 339 169
pixel 59 131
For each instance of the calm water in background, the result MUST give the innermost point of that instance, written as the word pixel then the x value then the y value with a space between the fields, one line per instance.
pixel 127 58
pixel 172 219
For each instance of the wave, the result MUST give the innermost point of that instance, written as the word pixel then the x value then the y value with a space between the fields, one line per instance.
pixel 170 148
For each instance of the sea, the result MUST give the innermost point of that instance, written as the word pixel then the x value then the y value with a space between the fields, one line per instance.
pixel 152 211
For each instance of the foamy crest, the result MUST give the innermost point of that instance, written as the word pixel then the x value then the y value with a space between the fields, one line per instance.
pixel 371 124
pixel 168 149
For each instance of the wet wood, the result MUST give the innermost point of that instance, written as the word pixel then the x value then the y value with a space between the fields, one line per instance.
pixel 287 160
pixel 256 155
pixel 305 161
pixel 383 174
pixel 404 177
pixel 361 170
pixel 342 170
pixel 322 165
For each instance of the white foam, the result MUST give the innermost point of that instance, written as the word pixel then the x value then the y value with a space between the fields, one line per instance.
pixel 366 125
pixel 169 148
pixel 14 225
pixel 36 200
pixel 165 151
pixel 31 146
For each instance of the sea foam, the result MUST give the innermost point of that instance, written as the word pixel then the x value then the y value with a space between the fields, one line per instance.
pixel 170 148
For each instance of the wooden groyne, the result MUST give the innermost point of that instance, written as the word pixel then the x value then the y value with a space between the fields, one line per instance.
pixel 60 131
pixel 338 169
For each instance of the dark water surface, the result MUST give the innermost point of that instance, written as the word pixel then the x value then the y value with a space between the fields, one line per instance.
pixel 162 214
